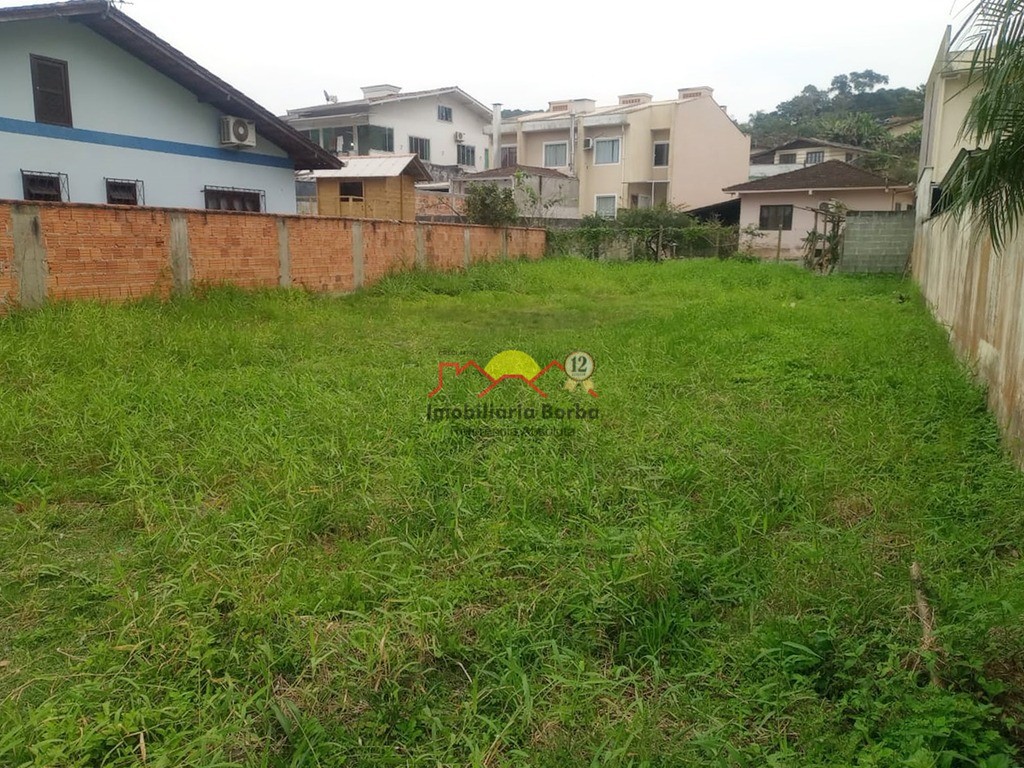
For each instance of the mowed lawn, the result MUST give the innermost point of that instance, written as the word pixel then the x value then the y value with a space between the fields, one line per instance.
pixel 229 535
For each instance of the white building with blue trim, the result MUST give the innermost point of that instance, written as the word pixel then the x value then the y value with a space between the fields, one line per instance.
pixel 94 108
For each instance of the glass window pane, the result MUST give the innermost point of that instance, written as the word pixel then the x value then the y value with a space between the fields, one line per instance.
pixel 606 151
pixel 604 206
pixel 556 155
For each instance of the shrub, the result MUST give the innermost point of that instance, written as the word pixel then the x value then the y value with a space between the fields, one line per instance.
pixel 491 205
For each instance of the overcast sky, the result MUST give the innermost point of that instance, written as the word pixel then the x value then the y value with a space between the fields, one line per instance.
pixel 524 53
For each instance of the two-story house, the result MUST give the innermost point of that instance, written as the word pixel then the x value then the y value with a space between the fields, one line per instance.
pixel 800 153
pixel 95 108
pixel 443 126
pixel 634 154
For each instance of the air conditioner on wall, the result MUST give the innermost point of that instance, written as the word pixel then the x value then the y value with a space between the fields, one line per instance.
pixel 237 132
pixel 460 137
pixel 588 143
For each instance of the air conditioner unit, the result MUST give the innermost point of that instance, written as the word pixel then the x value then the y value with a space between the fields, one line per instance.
pixel 460 137
pixel 237 132
pixel 588 144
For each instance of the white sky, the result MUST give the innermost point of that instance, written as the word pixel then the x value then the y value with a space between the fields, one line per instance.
pixel 524 53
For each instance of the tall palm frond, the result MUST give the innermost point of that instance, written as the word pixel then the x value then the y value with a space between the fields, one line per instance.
pixel 990 184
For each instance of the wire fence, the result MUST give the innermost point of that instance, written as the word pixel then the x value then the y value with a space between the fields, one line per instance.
pixel 647 243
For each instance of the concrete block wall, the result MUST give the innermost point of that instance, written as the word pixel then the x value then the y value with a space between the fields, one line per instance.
pixel 977 293
pixel 59 251
pixel 877 241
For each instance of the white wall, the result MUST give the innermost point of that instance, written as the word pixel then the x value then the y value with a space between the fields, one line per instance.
pixel 114 93
pixel 977 293
pixel 418 117
pixel 803 214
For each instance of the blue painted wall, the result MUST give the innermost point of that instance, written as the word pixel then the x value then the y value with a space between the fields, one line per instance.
pixel 130 122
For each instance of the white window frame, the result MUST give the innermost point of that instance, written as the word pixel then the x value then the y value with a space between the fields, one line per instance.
pixel 615 211
pixel 654 153
pixel 544 156
pixel 618 141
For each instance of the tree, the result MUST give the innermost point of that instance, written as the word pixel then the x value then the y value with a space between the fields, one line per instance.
pixel 853 93
pixel 841 85
pixel 810 103
pixel 856 128
pixel 989 185
pixel 491 205
pixel 866 81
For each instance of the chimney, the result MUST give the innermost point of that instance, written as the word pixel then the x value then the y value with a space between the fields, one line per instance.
pixel 496 135
pixel 376 91
pixel 685 94
pixel 572 106
pixel 632 99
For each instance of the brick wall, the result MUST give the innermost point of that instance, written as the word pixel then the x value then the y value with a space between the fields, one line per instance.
pixel 321 260
pixel 877 241
pixel 57 251
pixel 440 204
pixel 387 249
pixel 8 281
pixel 119 253
pixel 240 249
pixel 445 247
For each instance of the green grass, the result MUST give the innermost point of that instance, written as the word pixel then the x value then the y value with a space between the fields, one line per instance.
pixel 226 525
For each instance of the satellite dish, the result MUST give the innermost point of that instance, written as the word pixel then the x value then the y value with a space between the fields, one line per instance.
pixel 330 98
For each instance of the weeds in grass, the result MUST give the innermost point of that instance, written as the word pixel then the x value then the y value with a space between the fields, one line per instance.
pixel 229 536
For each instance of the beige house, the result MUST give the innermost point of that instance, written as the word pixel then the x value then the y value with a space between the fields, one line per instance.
pixel 800 153
pixel 635 154
pixel 784 208
pixel 947 98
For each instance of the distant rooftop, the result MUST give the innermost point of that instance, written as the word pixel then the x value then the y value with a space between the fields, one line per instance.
pixel 833 174
pixel 511 170
pixel 383 94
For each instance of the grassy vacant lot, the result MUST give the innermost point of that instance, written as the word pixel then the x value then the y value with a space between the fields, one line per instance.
pixel 228 535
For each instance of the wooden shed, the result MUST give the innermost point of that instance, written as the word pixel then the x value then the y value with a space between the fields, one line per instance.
pixel 371 187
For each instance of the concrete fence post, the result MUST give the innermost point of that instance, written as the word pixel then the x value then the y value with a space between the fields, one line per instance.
pixel 181 256
pixel 357 254
pixel 467 247
pixel 421 247
pixel 284 254
pixel 30 263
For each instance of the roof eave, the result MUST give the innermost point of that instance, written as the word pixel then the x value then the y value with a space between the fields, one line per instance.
pixel 123 31
pixel 889 188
